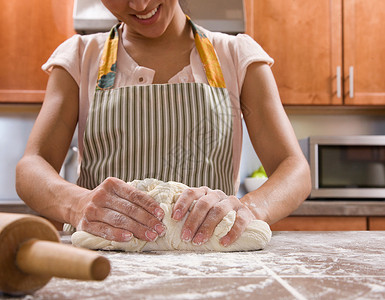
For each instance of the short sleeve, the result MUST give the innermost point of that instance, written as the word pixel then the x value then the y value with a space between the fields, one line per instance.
pixel 246 52
pixel 67 56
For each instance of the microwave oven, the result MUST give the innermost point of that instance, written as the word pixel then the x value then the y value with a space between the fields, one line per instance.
pixel 350 167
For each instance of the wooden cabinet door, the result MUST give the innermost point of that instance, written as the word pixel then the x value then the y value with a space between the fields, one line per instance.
pixel 29 33
pixel 305 40
pixel 376 223
pixel 364 52
pixel 320 223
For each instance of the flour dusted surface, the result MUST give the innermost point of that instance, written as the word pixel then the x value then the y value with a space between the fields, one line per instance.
pixel 256 236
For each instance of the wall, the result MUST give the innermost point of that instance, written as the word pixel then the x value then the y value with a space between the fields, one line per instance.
pixel 16 123
pixel 337 124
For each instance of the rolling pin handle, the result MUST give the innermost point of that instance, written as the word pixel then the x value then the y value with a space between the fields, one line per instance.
pixel 45 258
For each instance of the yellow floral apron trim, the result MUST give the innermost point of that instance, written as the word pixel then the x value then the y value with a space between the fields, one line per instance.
pixel 208 57
pixel 107 67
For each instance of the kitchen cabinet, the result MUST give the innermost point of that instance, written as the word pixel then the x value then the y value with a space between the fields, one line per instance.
pixel 320 223
pixel 376 223
pixel 327 52
pixel 29 33
pixel 335 215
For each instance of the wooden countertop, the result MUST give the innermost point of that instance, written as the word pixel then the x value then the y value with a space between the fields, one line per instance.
pixel 295 265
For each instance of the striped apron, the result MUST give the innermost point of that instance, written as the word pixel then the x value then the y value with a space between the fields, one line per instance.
pixel 180 132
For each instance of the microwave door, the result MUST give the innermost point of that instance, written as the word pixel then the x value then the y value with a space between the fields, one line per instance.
pixel 348 171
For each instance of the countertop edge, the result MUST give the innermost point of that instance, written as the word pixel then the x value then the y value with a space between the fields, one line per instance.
pixel 307 208
pixel 340 208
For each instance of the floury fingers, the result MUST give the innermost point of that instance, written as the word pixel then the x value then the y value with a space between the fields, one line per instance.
pixel 256 236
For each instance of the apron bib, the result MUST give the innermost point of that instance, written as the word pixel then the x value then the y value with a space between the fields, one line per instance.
pixel 172 132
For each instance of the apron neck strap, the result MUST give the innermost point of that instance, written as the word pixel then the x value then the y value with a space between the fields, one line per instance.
pixel 107 67
pixel 208 57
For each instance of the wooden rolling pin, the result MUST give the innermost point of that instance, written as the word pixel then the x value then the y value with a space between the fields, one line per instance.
pixel 31 254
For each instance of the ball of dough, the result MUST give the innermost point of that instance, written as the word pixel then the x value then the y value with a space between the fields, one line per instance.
pixel 256 236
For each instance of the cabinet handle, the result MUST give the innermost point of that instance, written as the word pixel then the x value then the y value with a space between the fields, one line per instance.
pixel 351 81
pixel 339 82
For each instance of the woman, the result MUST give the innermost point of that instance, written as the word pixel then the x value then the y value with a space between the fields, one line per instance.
pixel 167 104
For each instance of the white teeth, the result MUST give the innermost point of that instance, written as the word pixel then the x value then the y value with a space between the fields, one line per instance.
pixel 147 16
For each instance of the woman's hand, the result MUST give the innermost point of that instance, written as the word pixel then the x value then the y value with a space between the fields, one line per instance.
pixel 117 211
pixel 210 208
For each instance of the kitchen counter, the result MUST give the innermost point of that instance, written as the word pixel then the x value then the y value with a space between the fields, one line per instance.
pixel 17 207
pixel 341 208
pixel 295 265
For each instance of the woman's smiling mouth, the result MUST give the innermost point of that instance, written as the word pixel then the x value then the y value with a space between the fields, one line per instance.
pixel 148 15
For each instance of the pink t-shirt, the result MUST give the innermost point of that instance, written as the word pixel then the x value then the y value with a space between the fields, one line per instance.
pixel 80 56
